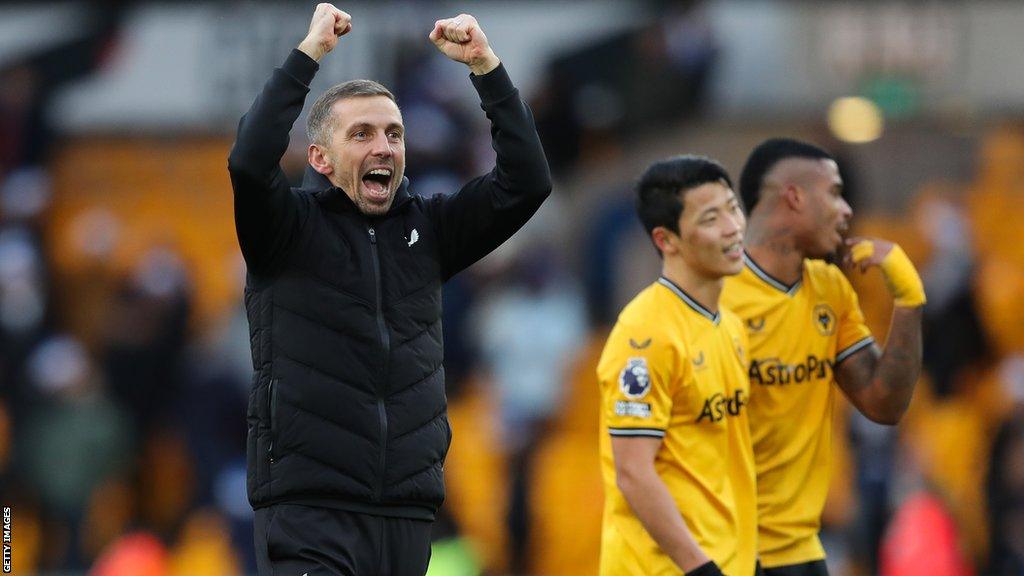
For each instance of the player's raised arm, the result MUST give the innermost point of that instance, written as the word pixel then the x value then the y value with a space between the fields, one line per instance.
pixel 492 207
pixel 265 210
pixel 881 383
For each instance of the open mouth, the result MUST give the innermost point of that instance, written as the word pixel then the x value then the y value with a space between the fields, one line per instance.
pixel 378 182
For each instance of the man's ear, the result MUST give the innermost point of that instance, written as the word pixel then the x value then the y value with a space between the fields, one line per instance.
pixel 318 160
pixel 795 197
pixel 662 238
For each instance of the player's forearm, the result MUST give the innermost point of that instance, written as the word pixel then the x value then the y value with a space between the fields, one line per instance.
pixel 899 367
pixel 657 511
pixel 521 166
pixel 485 64
pixel 313 48
pixel 264 207
pixel 489 209
pixel 263 132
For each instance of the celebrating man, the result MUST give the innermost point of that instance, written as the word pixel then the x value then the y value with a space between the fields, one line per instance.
pixel 347 421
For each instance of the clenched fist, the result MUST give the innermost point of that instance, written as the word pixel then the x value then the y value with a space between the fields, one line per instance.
pixel 864 253
pixel 900 275
pixel 461 39
pixel 327 25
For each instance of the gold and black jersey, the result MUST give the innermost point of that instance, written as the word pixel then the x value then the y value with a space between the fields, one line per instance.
pixel 673 370
pixel 798 335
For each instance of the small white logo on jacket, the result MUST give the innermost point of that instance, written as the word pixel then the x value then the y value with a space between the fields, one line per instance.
pixel 413 237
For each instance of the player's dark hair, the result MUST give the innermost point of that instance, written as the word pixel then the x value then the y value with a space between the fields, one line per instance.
pixel 765 157
pixel 660 190
pixel 320 122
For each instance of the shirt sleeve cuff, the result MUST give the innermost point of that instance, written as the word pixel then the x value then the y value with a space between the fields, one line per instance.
pixel 493 86
pixel 300 66
pixel 854 348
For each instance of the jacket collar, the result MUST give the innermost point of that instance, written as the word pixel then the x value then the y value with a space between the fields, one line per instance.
pixel 336 200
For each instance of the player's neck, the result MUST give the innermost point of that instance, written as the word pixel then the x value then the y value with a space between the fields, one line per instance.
pixel 775 251
pixel 703 289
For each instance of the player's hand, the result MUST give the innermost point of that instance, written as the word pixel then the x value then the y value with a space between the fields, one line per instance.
pixel 900 275
pixel 864 253
pixel 327 25
pixel 461 39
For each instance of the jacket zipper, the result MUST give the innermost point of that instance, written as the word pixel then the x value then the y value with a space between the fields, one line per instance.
pixel 385 341
pixel 273 418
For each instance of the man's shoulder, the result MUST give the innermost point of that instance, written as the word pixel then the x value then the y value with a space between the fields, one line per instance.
pixel 643 308
pixel 740 288
pixel 827 280
pixel 306 202
pixel 817 268
pixel 643 322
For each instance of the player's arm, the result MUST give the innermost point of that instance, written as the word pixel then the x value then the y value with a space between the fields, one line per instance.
pixel 650 500
pixel 880 383
pixel 266 212
pixel 489 209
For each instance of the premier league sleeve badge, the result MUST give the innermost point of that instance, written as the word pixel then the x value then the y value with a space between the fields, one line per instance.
pixel 635 378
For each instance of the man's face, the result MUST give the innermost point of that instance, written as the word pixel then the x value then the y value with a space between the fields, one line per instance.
pixel 367 151
pixel 828 217
pixel 711 231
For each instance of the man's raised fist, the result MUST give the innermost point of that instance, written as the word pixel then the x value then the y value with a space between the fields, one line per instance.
pixel 461 39
pixel 327 25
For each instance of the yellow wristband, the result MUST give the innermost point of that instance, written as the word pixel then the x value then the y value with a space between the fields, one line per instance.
pixel 902 279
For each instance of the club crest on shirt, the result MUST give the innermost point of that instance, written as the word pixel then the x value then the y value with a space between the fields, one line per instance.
pixel 755 324
pixel 635 378
pixel 824 319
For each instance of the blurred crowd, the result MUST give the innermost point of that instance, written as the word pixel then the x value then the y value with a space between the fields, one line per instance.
pixel 123 391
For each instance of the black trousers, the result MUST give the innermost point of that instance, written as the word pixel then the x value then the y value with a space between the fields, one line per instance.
pixel 294 540
pixel 813 568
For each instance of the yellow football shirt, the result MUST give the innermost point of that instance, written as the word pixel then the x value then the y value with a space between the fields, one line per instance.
pixel 673 370
pixel 798 335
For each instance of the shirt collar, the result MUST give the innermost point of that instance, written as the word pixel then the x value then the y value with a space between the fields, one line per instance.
pixel 690 301
pixel 770 280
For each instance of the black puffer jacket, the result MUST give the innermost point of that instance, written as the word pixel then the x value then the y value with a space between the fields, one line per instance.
pixel 348 408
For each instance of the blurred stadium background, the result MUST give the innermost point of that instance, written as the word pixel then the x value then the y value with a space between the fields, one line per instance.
pixel 124 359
